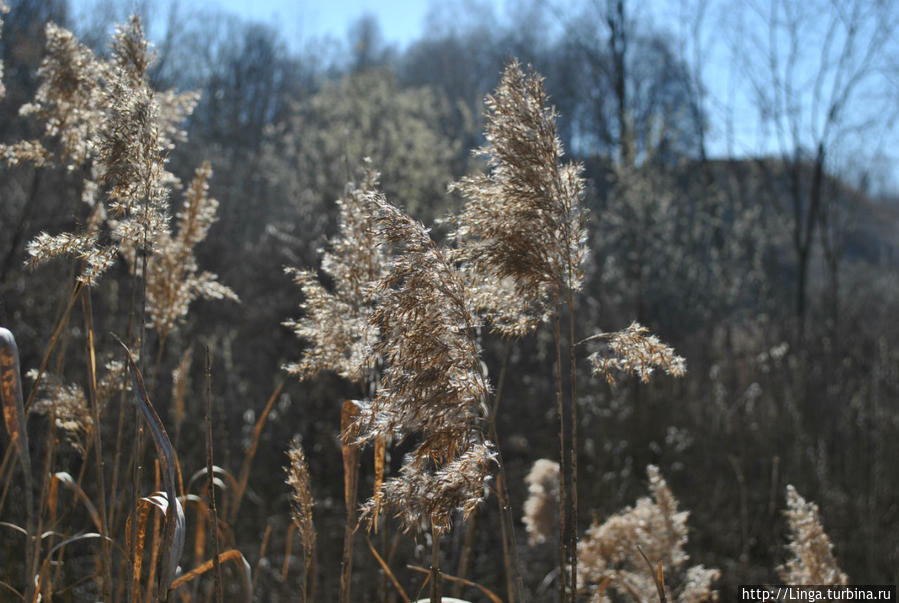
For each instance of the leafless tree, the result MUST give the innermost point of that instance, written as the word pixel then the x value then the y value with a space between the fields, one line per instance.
pixel 816 74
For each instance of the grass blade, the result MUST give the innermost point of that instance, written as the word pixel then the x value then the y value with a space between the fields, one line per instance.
pixel 387 571
pixel 67 480
pixel 136 542
pixel 494 598
pixel 45 565
pixel 658 577
pixel 221 477
pixel 174 522
pixel 231 555
pixel 248 460
pixel 16 426
pixel 11 391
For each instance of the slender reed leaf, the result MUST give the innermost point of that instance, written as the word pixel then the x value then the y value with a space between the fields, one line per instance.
pixel 174 522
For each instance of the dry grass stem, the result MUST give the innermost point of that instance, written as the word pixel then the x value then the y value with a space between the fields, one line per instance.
pixel 244 477
pixel 213 515
pixel 244 572
pixel 388 572
pixel 494 598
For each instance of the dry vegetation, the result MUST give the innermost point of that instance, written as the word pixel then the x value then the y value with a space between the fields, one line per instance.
pixel 399 327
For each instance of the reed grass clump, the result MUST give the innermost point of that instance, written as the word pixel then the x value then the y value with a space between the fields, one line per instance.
pixel 522 242
pixel 101 119
pixel 397 315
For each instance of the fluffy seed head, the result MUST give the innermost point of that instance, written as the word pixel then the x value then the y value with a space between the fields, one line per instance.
pixel 301 501
pixel 637 352
pixel 173 277
pixel 433 383
pixel 540 508
pixel 609 552
pixel 337 323
pixel 522 231
pixel 811 552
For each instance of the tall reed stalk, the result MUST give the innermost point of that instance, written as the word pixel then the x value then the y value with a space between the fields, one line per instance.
pixel 90 356
pixel 521 236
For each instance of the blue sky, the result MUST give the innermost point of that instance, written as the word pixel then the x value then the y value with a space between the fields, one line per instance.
pixel 732 110
pixel 400 20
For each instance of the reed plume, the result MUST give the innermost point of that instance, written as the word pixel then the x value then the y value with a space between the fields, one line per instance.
pixel 541 506
pixel 433 383
pixel 301 503
pixel 522 231
pixel 173 277
pixel 68 406
pixel 610 553
pixel 69 100
pixel 811 551
pixel 337 323
pixel 103 115
pixel 132 149
pixel 637 352
pixel 522 241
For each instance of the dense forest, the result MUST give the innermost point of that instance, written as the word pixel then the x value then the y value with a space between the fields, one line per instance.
pixel 481 316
